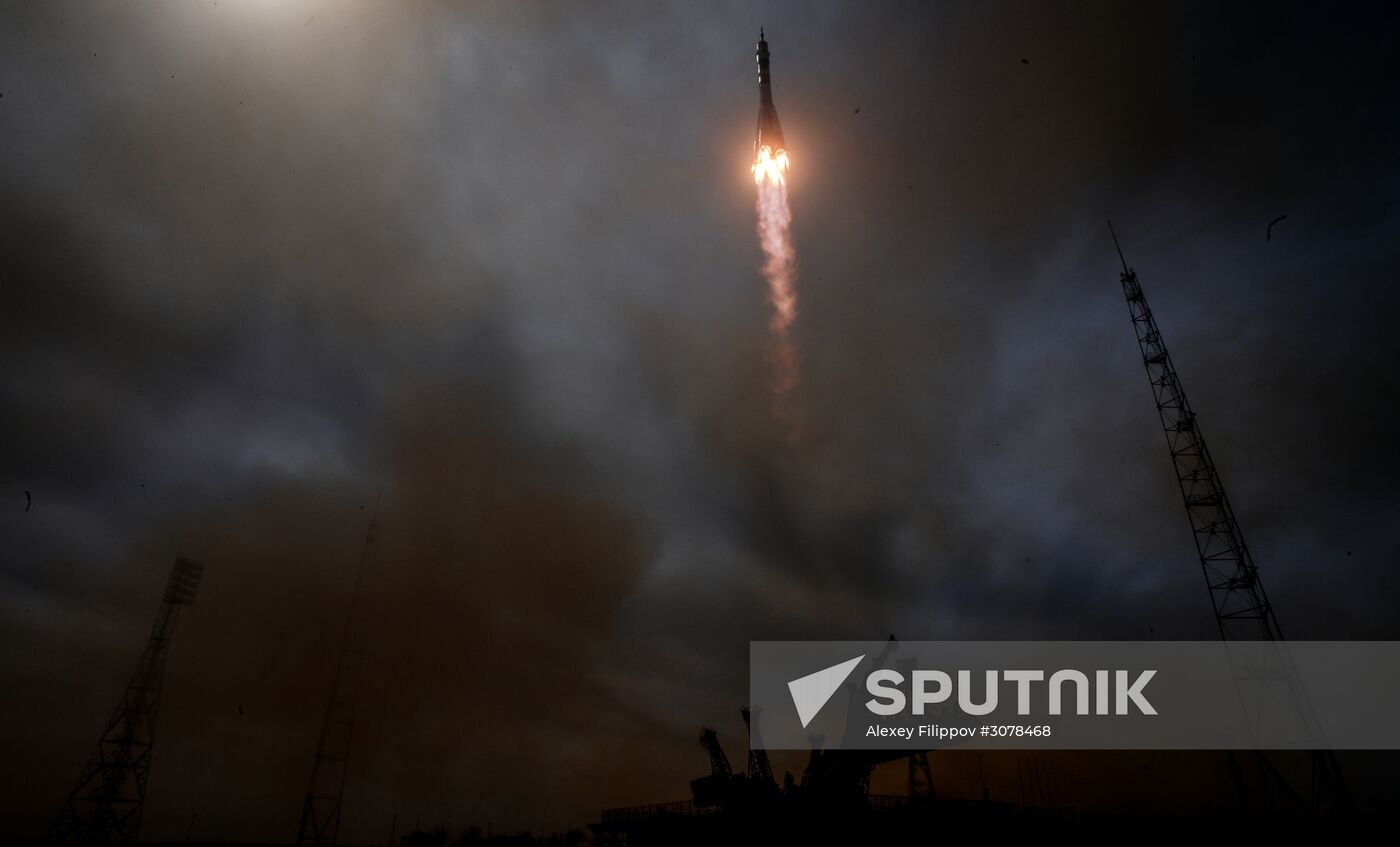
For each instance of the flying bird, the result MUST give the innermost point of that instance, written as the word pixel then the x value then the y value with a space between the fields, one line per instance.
pixel 1269 233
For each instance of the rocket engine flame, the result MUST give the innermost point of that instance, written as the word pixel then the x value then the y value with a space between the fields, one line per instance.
pixel 770 166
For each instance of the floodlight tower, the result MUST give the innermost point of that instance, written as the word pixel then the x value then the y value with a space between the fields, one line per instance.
pixel 1242 608
pixel 320 812
pixel 106 803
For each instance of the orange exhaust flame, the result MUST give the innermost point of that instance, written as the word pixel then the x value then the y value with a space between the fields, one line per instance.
pixel 770 166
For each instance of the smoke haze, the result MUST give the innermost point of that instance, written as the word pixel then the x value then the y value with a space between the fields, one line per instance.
pixel 494 265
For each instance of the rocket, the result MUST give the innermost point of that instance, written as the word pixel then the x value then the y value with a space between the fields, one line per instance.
pixel 769 133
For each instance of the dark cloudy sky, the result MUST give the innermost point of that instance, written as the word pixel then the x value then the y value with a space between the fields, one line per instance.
pixel 494 265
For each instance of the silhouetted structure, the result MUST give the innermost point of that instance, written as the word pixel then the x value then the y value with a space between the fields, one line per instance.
pixel 106 803
pixel 831 805
pixel 832 802
pixel 320 814
pixel 760 770
pixel 1242 609
pixel 921 790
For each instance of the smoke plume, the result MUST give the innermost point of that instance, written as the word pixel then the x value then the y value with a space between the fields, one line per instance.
pixel 780 269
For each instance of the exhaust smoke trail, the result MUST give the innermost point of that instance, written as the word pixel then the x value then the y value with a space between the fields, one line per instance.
pixel 774 232
pixel 780 260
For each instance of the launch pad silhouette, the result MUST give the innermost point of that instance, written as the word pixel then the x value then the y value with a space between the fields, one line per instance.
pixel 832 796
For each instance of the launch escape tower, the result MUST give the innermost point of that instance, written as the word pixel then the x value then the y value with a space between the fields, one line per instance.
pixel 106 803
pixel 320 814
pixel 1242 609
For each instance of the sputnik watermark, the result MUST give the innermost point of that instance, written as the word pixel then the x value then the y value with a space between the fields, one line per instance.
pixel 1075 695
pixel 890 700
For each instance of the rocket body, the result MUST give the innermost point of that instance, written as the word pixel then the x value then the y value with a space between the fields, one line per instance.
pixel 769 132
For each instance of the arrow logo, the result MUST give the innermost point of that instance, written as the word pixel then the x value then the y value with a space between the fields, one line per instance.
pixel 810 693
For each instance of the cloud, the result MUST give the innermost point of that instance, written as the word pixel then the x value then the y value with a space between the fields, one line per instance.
pixel 495 268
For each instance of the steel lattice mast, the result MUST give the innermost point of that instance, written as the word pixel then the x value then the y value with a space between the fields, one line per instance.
pixel 320 813
pixel 106 803
pixel 1242 608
